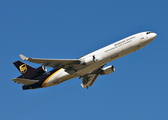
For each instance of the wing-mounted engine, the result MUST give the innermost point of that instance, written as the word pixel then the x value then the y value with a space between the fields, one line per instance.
pixel 107 70
pixel 89 60
pixel 85 61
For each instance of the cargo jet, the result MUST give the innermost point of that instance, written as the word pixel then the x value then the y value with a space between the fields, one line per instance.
pixel 87 68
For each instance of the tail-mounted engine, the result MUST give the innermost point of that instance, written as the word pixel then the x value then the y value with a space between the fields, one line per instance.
pixel 34 73
pixel 29 72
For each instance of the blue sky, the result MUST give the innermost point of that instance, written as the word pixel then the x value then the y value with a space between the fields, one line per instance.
pixel 70 29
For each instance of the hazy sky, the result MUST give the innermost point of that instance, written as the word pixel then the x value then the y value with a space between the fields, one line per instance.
pixel 69 29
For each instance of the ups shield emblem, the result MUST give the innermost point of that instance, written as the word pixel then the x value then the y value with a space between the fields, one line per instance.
pixel 23 68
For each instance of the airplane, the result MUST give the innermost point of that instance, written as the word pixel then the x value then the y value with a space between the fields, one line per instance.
pixel 87 68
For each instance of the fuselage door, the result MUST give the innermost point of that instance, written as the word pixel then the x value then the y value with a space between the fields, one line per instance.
pixel 141 38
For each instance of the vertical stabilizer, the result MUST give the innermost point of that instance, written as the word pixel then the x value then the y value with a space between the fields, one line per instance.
pixel 22 67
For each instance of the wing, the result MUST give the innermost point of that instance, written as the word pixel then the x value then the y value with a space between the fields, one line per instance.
pixel 25 81
pixel 88 80
pixel 52 62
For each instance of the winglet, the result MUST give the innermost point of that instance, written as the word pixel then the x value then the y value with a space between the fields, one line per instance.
pixel 23 57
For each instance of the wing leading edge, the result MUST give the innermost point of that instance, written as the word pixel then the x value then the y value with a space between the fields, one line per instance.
pixel 52 62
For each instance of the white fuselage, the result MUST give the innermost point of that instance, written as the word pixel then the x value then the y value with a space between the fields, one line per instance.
pixel 105 55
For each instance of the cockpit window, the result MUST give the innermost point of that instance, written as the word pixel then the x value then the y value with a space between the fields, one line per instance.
pixel 148 32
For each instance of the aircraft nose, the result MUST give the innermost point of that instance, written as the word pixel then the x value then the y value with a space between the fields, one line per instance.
pixel 154 35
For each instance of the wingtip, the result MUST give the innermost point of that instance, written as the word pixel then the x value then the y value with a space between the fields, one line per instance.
pixel 84 86
pixel 23 57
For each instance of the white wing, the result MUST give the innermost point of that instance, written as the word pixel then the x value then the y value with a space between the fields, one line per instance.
pixel 52 62
pixel 88 80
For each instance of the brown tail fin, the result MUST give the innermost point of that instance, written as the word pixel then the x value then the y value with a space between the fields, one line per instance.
pixel 22 67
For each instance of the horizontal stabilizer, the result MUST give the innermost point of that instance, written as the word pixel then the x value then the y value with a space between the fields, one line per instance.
pixel 25 81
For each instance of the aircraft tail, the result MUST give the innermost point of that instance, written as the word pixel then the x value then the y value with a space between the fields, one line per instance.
pixel 22 67
pixel 29 72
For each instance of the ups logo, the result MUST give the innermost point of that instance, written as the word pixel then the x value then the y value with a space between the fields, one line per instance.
pixel 23 68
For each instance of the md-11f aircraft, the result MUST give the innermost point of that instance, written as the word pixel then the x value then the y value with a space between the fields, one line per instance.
pixel 87 68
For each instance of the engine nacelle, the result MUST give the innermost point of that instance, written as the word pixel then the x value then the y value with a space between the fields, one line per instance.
pixel 107 70
pixel 34 73
pixel 88 60
pixel 41 70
